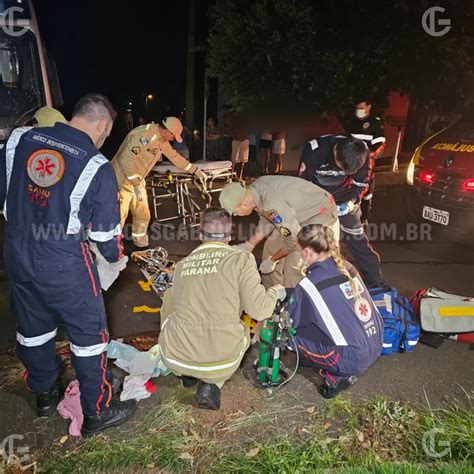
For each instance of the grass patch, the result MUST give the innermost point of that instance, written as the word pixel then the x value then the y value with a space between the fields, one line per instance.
pixel 378 436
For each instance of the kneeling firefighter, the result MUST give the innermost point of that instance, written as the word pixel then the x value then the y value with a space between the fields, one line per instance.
pixel 202 337
pixel 339 330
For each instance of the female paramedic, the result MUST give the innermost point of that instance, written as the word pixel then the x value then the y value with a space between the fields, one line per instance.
pixel 339 330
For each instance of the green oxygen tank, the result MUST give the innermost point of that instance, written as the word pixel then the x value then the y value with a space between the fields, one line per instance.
pixel 269 351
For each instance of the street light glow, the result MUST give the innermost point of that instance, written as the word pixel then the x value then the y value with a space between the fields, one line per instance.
pixel 149 96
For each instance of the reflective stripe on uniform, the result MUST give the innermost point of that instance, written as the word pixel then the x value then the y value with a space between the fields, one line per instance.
pixel 206 368
pixel 100 236
pixel 36 340
pixel 141 234
pixel 356 231
pixel 11 145
pixel 361 136
pixel 88 351
pixel 368 197
pixel 357 183
pixel 80 189
pixel 323 310
pixel 378 140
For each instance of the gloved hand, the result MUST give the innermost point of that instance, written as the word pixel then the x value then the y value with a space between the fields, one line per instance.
pixel 280 292
pixel 267 266
pixel 138 193
pixel 246 246
pixel 108 272
pixel 200 175
pixel 345 208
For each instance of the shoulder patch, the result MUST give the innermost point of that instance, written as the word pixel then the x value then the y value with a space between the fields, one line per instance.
pixel 285 232
pixel 363 311
pixel 143 141
pixel 314 144
pixel 45 167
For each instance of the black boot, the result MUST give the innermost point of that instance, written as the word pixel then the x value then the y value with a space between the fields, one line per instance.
pixel 47 402
pixel 115 415
pixel 188 382
pixel 208 396
pixel 333 390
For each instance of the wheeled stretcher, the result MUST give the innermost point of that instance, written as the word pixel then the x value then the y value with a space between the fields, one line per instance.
pixel 190 195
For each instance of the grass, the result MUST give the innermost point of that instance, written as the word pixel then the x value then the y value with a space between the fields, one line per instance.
pixel 378 436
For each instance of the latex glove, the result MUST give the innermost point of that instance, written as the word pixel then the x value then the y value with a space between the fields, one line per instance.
pixel 200 175
pixel 280 292
pixel 108 272
pixel 246 246
pixel 267 266
pixel 138 193
pixel 345 208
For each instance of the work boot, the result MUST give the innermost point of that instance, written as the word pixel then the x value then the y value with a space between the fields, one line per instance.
pixel 188 382
pixel 208 396
pixel 47 402
pixel 333 390
pixel 118 413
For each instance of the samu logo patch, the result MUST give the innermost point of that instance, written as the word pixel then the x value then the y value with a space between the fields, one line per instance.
pixel 45 167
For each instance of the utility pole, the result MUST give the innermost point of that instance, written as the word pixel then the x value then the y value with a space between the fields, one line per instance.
pixel 190 69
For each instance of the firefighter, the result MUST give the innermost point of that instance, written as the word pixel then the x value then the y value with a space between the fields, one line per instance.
pixel 285 204
pixel 58 193
pixel 339 164
pixel 369 129
pixel 339 330
pixel 202 337
pixel 136 157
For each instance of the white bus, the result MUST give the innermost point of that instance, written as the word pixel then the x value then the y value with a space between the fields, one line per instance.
pixel 28 78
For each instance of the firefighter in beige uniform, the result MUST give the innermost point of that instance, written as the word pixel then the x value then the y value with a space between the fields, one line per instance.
pixel 202 337
pixel 138 154
pixel 285 205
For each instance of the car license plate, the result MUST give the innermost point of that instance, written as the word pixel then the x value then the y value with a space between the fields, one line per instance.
pixel 436 215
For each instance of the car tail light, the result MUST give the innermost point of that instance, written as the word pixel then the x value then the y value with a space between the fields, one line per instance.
pixel 468 185
pixel 427 177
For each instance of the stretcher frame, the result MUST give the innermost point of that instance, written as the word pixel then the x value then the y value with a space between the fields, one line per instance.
pixel 190 195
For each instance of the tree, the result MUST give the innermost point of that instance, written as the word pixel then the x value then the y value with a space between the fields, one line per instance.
pixel 322 55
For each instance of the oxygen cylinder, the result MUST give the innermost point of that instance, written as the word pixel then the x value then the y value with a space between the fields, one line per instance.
pixel 264 356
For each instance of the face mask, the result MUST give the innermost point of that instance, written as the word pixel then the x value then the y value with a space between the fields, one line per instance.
pixel 360 113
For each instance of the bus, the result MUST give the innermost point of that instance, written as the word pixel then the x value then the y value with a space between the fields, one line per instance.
pixel 28 77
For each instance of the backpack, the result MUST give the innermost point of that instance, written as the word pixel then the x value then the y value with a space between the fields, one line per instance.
pixel 401 330
pixel 444 313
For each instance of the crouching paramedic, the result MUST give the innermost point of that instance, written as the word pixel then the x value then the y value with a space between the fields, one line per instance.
pixel 284 203
pixel 202 337
pixel 136 157
pixel 58 192
pixel 339 330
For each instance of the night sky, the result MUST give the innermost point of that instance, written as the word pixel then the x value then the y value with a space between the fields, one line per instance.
pixel 120 52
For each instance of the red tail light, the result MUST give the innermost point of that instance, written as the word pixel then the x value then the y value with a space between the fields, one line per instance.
pixel 427 177
pixel 468 185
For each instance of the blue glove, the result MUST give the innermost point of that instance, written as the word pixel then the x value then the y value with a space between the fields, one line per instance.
pixel 345 208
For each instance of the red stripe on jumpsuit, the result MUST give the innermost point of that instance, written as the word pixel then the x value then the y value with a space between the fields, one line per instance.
pixel 316 357
pixel 85 251
pixel 103 365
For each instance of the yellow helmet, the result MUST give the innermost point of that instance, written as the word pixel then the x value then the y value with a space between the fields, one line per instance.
pixel 48 117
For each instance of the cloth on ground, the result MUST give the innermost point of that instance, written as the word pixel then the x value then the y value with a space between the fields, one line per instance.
pixel 140 365
pixel 70 408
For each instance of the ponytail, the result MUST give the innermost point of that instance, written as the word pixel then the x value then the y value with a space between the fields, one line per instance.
pixel 321 239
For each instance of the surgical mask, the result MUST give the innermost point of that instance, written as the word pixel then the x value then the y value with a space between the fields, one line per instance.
pixel 360 113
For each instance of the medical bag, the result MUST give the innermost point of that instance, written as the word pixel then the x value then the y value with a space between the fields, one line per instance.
pixel 401 329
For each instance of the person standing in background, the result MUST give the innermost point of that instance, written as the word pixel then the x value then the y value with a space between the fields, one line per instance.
pixel 369 129
pixel 278 148
pixel 265 146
